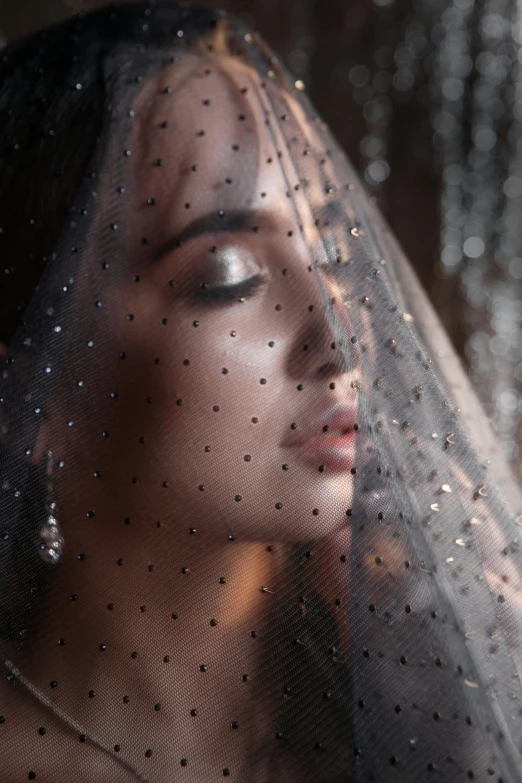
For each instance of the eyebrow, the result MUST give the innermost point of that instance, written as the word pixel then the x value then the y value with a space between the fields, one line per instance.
pixel 242 220
pixel 223 221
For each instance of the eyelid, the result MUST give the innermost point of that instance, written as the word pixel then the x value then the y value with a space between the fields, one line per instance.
pixel 227 293
pixel 233 260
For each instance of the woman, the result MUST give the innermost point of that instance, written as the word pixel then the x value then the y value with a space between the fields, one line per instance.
pixel 245 532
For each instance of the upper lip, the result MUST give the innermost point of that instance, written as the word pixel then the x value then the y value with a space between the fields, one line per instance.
pixel 340 416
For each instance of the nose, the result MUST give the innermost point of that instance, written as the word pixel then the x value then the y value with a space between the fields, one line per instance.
pixel 324 345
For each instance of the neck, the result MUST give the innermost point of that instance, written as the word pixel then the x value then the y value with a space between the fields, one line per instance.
pixel 127 642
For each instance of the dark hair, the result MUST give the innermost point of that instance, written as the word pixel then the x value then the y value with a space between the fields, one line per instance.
pixel 51 111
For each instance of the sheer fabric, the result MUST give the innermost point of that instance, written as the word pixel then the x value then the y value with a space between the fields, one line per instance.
pixel 253 522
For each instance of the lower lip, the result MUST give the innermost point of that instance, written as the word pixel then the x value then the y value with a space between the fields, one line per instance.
pixel 334 452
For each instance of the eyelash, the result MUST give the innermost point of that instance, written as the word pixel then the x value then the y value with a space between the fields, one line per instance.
pixel 232 292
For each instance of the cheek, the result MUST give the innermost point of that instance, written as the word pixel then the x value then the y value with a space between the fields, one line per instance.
pixel 180 419
pixel 195 358
pixel 192 378
pixel 213 385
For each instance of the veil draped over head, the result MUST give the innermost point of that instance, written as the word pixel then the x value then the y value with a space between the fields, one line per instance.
pixel 253 523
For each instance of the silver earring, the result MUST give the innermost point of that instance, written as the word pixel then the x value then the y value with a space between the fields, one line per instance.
pixel 51 541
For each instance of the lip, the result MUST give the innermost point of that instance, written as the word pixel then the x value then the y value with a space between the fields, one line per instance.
pixel 317 447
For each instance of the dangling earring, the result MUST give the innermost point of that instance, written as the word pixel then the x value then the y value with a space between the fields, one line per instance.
pixel 51 541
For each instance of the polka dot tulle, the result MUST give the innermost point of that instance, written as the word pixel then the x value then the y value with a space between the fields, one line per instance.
pixel 253 523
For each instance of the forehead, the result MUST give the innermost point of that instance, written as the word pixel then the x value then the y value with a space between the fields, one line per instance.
pixel 203 121
pixel 208 135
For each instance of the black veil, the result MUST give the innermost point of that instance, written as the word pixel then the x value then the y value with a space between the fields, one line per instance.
pixel 253 520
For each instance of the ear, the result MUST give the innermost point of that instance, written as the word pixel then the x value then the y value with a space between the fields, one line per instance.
pixel 3 350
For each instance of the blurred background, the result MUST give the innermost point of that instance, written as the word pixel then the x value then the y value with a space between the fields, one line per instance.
pixel 426 98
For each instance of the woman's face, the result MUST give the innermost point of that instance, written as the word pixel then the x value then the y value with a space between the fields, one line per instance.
pixel 225 338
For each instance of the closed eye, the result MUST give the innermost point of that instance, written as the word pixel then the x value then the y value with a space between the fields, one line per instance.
pixel 229 293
